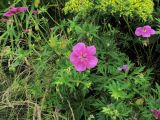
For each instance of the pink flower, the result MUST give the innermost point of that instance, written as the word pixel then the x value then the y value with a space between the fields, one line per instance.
pixel 83 57
pixel 123 68
pixel 156 114
pixel 145 31
pixel 14 10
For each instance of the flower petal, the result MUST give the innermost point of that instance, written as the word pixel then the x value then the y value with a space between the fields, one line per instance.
pixel 91 50
pixel 125 67
pixel 13 9
pixel 91 62
pixel 79 47
pixel 153 32
pixel 146 34
pixel 138 31
pixel 80 67
pixel 8 14
pixel 147 27
pixel 73 58
pixel 22 9
pixel 156 113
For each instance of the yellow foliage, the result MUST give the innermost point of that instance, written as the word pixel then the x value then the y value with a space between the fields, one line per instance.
pixel 139 101
pixel 76 6
pixel 130 8
pixel 36 3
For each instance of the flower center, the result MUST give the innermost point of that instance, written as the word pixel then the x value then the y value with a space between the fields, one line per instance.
pixel 82 57
pixel 144 30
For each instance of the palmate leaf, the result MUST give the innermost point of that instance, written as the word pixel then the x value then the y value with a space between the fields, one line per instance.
pixel 84 31
pixel 117 90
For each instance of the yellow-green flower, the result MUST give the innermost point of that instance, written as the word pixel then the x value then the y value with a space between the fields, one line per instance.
pixel 129 8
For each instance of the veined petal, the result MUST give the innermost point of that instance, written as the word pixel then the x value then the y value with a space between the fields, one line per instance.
pixel 80 67
pixel 156 113
pixel 14 10
pixel 91 50
pixel 73 58
pixel 147 27
pixel 125 67
pixel 22 9
pixel 138 31
pixel 79 47
pixel 8 14
pixel 146 34
pixel 153 32
pixel 91 62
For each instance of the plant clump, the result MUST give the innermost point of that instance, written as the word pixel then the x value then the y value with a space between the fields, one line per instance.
pixel 128 8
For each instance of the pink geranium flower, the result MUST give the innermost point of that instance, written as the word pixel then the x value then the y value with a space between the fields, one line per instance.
pixel 145 31
pixel 15 10
pixel 123 68
pixel 156 114
pixel 83 57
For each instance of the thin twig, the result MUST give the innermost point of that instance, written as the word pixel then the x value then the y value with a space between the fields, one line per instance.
pixel 71 110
